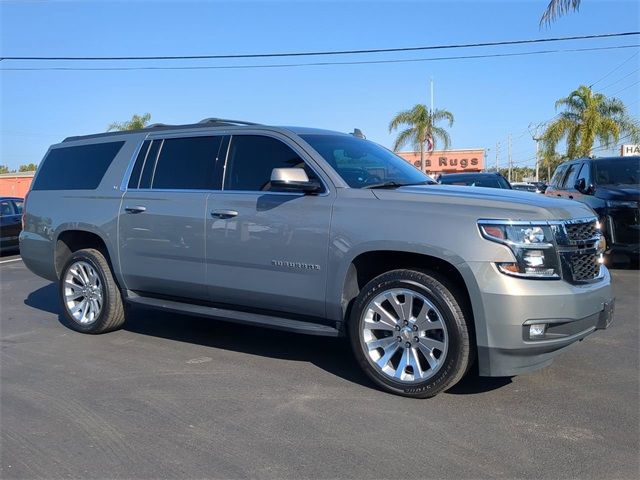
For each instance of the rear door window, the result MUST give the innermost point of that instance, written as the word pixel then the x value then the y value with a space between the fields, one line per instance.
pixel 76 168
pixel 187 164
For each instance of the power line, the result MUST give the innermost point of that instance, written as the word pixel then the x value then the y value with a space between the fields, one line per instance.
pixel 614 70
pixel 618 81
pixel 316 64
pixel 626 88
pixel 334 52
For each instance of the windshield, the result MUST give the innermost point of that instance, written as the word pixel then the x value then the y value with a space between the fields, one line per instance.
pixel 364 164
pixel 618 171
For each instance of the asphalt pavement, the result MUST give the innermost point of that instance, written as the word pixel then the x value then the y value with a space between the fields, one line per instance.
pixel 171 396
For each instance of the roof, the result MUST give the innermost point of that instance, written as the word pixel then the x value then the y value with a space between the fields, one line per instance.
pixel 208 123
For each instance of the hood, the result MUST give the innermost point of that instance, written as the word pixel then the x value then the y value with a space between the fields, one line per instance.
pixel 618 192
pixel 491 202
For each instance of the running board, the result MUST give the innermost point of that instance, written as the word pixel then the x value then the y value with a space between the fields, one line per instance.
pixel 236 316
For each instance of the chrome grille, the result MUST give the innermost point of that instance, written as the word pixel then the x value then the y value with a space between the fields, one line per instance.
pixel 584 266
pixel 577 242
pixel 581 231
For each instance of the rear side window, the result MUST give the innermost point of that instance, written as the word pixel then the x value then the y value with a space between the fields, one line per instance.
pixel 187 164
pixel 76 168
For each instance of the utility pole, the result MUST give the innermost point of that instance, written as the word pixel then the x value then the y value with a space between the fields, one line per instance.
pixel 497 156
pixel 534 130
pixel 431 95
pixel 510 160
pixel 537 139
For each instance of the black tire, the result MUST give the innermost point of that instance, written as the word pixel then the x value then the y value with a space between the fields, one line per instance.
pixel 111 316
pixel 460 351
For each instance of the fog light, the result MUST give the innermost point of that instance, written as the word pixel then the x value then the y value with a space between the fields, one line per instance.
pixel 537 330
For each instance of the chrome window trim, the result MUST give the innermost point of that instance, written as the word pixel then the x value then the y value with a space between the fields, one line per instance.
pixel 124 184
pixel 153 175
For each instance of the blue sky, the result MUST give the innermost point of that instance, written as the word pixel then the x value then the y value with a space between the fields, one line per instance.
pixel 490 98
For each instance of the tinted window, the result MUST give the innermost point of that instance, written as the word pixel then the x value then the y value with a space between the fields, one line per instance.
pixel 187 163
pixel 134 179
pixel 76 168
pixel 585 174
pixel 362 163
pixel 253 157
pixel 6 208
pixel 490 181
pixel 618 171
pixel 558 175
pixel 149 165
pixel 18 206
pixel 570 178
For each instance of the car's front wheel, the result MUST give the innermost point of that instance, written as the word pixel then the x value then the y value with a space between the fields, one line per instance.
pixel 409 333
pixel 90 297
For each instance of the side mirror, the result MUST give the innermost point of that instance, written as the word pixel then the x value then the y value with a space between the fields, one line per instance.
pixel 582 187
pixel 293 180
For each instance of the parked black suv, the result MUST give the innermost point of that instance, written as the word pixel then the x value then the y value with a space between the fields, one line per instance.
pixel 483 179
pixel 611 186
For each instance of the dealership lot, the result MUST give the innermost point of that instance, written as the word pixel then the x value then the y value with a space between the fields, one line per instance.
pixel 178 397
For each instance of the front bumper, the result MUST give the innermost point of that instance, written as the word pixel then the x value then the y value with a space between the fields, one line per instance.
pixel 510 305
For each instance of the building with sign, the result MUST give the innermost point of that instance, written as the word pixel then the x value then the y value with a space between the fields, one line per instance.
pixel 630 150
pixel 15 184
pixel 448 161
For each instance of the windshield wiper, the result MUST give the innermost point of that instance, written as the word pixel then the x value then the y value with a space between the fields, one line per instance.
pixel 392 184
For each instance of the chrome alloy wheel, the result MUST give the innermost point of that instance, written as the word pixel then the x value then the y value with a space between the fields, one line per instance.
pixel 83 292
pixel 405 335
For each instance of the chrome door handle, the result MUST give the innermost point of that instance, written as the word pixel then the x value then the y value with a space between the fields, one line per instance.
pixel 224 214
pixel 136 209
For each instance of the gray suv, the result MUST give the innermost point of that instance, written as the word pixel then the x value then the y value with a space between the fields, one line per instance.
pixel 316 232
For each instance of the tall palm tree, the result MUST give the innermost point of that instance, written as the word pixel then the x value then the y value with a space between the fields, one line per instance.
pixel 557 8
pixel 421 129
pixel 137 122
pixel 588 116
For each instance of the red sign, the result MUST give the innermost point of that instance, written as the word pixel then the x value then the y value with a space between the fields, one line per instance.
pixel 448 161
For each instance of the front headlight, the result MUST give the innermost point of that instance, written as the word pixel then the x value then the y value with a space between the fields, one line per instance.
pixel 532 246
pixel 622 204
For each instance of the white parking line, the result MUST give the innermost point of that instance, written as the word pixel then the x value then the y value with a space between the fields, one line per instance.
pixel 12 260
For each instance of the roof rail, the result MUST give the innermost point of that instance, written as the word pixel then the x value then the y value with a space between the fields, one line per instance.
pixel 224 121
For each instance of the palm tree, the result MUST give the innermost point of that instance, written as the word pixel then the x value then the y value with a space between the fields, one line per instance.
pixel 421 128
pixel 557 8
pixel 137 122
pixel 588 116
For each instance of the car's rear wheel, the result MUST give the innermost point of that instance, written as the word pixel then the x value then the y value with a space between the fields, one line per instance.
pixel 90 297
pixel 409 333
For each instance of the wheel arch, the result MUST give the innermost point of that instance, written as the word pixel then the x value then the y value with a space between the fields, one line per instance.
pixel 368 264
pixel 70 240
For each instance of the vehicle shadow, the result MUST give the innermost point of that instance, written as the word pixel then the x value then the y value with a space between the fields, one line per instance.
pixel 330 354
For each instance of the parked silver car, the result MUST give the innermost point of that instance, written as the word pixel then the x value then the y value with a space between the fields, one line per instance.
pixel 316 232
